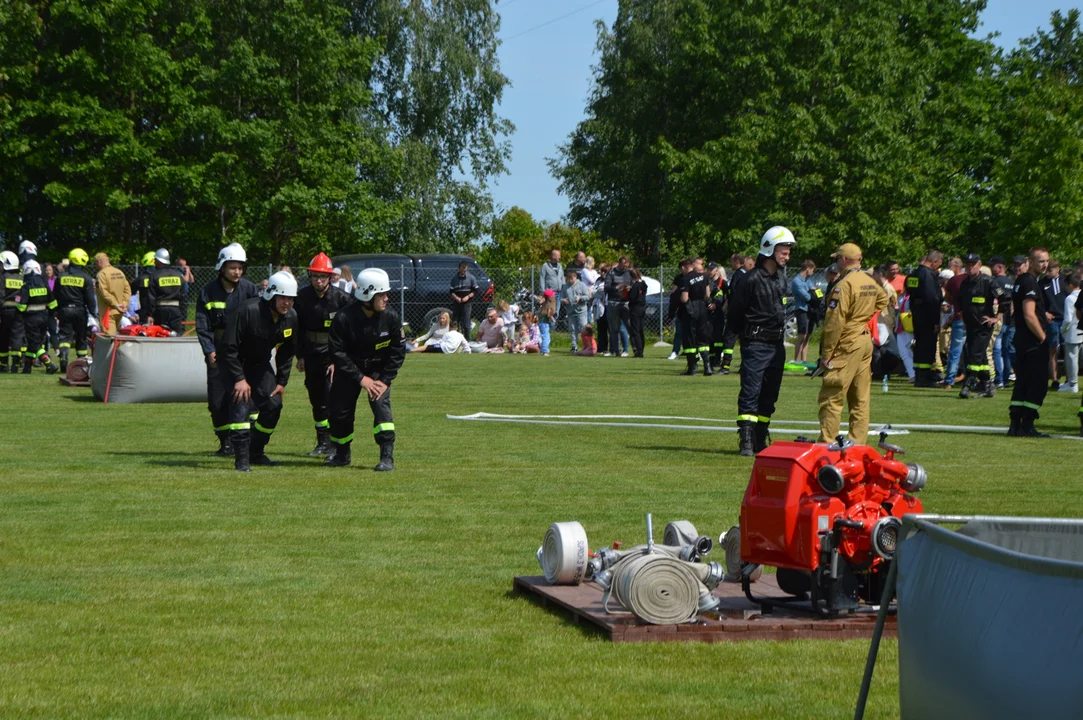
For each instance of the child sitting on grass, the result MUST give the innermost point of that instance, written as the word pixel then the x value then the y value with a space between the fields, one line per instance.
pixel 587 345
pixel 529 335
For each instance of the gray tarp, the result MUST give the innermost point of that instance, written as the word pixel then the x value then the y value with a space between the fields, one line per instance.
pixel 149 370
pixel 987 627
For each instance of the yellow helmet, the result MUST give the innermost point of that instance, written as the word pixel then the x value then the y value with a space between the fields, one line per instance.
pixel 148 259
pixel 78 256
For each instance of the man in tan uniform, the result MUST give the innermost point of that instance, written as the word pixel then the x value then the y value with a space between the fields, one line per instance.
pixel 113 292
pixel 846 352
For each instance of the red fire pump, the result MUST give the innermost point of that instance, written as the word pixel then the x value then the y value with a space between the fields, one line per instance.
pixel 828 518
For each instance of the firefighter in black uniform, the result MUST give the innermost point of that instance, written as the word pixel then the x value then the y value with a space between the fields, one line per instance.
pixel 35 301
pixel 925 299
pixel 218 301
pixel 695 326
pixel 142 287
pixel 716 309
pixel 367 351
pixel 10 336
pixel 168 301
pixel 75 303
pixel 1031 343
pixel 316 306
pixel 27 251
pixel 757 314
pixel 729 338
pixel 259 327
pixel 977 296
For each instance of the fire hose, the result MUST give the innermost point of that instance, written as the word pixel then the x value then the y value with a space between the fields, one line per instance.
pixel 564 553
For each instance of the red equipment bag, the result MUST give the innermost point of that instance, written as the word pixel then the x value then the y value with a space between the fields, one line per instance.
pixel 152 331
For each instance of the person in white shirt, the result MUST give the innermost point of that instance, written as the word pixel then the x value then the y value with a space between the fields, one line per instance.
pixel 589 276
pixel 509 314
pixel 454 342
pixel 1072 336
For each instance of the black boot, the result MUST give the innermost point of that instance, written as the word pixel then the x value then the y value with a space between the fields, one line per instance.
pixel 64 360
pixel 968 386
pixel 762 438
pixel 50 366
pixel 1013 428
pixel 240 455
pixel 727 358
pixel 323 442
pixel 987 390
pixel 225 447
pixel 387 457
pixel 706 358
pixel 746 438
pixel 28 366
pixel 1027 429
pixel 259 457
pixel 691 369
pixel 340 456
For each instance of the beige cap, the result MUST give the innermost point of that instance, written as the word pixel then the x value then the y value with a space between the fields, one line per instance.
pixel 848 251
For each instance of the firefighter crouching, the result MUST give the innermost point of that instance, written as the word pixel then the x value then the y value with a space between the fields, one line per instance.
pixel 34 300
pixel 168 302
pixel 11 334
pixel 218 301
pixel 74 292
pixel 846 350
pixel 757 314
pixel 316 307
pixel 367 351
pixel 259 327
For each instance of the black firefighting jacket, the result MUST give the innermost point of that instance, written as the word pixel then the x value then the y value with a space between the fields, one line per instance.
pixel 142 288
pixel 13 280
pixel 166 288
pixel 976 297
pixel 925 295
pixel 363 346
pixel 34 295
pixel 75 288
pixel 216 304
pixel 251 335
pixel 757 304
pixel 314 316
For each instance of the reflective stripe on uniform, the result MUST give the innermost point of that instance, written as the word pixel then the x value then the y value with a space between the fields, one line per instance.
pixel 727 351
pixel 169 303
pixel 215 306
pixel 749 418
pixel 342 441
pixel 266 431
pixel 237 426
pixel 763 419
pixel 382 427
pixel 978 368
pixel 1023 403
pixel 704 348
pixel 322 424
pixel 923 366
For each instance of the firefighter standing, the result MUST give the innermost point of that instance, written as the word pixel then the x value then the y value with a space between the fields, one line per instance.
pixel 35 301
pixel 113 294
pixel 925 299
pixel 1031 341
pixel 75 303
pixel 977 296
pixel 142 285
pixel 167 299
pixel 316 307
pixel 716 308
pixel 218 301
pixel 729 337
pixel 11 335
pixel 695 327
pixel 846 351
pixel 757 314
pixel 27 251
pixel 367 351
pixel 259 327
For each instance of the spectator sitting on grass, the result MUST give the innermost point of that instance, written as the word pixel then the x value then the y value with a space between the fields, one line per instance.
pixel 587 345
pixel 529 336
pixel 450 341
pixel 491 331
pixel 436 333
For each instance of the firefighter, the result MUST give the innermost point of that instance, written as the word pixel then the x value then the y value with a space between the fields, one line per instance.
pixel 719 291
pixel 1031 341
pixel 925 299
pixel 27 251
pixel 11 335
pixel 316 307
pixel 218 301
pixel 167 299
pixel 729 337
pixel 75 303
pixel 757 314
pixel 695 327
pixel 367 351
pixel 142 287
pixel 259 327
pixel 977 296
pixel 846 350
pixel 34 300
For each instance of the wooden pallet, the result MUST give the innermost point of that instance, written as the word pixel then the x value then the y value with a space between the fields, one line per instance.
pixel 738 620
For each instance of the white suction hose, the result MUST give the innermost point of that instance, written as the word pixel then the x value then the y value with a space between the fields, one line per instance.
pixel 564 553
pixel 658 589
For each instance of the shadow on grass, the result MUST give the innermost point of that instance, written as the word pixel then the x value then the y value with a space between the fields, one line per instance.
pixel 203 458
pixel 586 628
pixel 88 398
pixel 680 449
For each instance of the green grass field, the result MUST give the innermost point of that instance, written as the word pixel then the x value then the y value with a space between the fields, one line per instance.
pixel 140 577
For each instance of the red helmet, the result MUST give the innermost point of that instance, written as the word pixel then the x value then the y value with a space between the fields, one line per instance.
pixel 321 264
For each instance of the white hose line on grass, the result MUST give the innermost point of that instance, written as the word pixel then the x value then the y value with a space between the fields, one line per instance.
pixel 593 420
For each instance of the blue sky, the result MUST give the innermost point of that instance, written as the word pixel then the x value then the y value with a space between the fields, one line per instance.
pixel 548 51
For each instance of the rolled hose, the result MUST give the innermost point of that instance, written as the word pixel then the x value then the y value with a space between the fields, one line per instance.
pixel 658 589
pixel 564 553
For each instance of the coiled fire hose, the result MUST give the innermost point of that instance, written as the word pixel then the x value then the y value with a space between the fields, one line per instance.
pixel 564 553
pixel 658 589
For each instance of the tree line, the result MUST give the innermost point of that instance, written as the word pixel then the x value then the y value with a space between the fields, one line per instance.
pixel 890 124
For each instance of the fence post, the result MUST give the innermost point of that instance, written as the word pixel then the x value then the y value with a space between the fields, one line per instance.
pixel 661 305
pixel 402 295
pixel 533 288
pixel 270 270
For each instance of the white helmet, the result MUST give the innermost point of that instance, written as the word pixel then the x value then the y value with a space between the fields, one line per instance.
pixel 281 283
pixel 775 236
pixel 161 255
pixel 11 260
pixel 28 247
pixel 231 253
pixel 370 282
pixel 31 266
